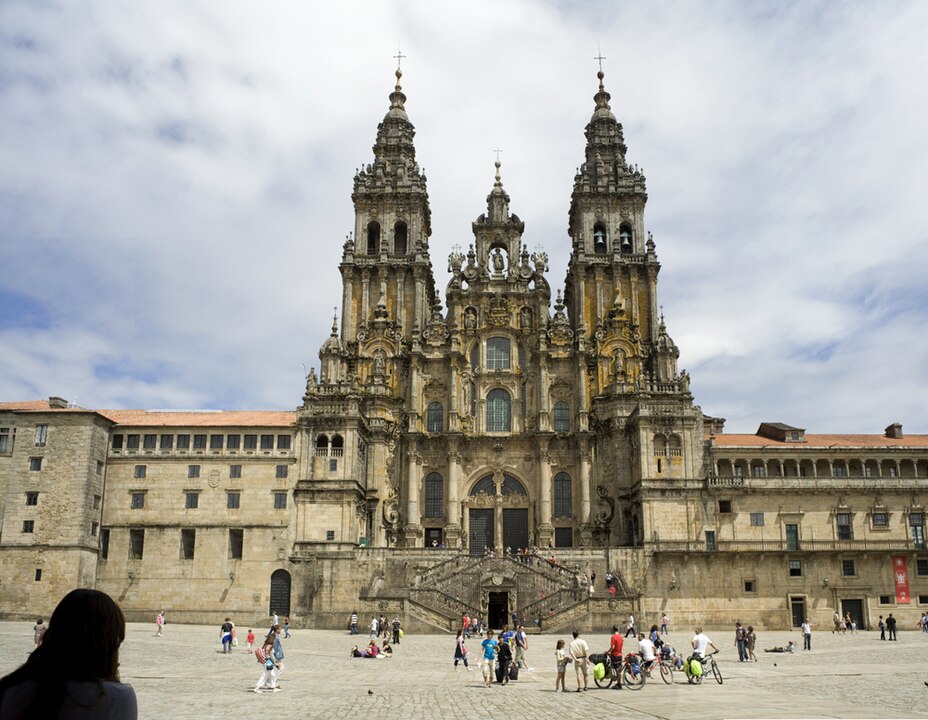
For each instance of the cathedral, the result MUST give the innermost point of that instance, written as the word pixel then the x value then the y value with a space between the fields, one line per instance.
pixel 485 451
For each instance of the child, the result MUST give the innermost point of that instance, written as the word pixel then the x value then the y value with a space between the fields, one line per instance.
pixel 790 647
pixel 562 658
pixel 250 639
pixel 286 628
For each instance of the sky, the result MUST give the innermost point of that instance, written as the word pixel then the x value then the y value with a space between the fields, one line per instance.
pixel 175 182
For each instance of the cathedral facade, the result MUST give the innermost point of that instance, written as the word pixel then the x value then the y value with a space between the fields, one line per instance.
pixel 444 436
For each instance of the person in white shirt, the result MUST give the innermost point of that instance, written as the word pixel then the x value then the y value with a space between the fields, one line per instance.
pixel 806 635
pixel 701 643
pixel 630 629
pixel 647 649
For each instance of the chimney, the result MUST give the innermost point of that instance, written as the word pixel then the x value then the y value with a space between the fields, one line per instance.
pixel 57 403
pixel 894 431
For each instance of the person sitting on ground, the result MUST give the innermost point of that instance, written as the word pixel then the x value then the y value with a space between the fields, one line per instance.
pixel 355 652
pixel 387 649
pixel 372 651
pixel 75 671
pixel 780 649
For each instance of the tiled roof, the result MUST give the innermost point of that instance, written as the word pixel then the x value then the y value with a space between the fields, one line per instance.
pixel 208 418
pixel 37 406
pixel 734 440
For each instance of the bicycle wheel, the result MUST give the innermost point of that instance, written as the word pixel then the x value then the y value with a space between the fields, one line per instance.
pixel 667 673
pixel 716 672
pixel 606 680
pixel 633 680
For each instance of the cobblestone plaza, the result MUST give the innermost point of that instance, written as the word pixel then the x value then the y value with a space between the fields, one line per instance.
pixel 185 675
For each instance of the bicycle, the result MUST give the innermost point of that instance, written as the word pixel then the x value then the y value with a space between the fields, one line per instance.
pixel 666 665
pixel 708 665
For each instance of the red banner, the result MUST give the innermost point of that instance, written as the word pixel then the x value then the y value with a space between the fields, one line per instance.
pixel 901 579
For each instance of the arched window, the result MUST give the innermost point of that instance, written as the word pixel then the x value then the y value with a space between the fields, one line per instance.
pixel 499 411
pixel 322 444
pixel 434 495
pixel 280 593
pixel 625 238
pixel 499 354
pixel 563 496
pixel 600 244
pixel 511 486
pixel 338 445
pixel 373 238
pixel 399 238
pixel 561 417
pixel 674 446
pixel 660 445
pixel 484 485
pixel 434 417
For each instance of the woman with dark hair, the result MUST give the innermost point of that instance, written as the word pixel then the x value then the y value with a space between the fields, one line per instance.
pixel 74 673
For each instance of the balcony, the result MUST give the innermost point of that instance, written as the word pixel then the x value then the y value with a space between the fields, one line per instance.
pixel 761 546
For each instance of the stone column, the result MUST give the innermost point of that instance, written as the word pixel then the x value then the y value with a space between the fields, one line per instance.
pixel 413 483
pixel 453 505
pixel 586 534
pixel 545 530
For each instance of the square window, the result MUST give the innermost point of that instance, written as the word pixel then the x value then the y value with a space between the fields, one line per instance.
pixel 333 465
pixel 32 498
pixel 41 435
pixel 149 442
pixel 192 500
pixel 267 442
pixel 215 442
pixel 280 500
pixel 236 541
pixel 35 464
pixel 117 442
pixel 132 442
pixel 137 500
pixel 283 442
pixel 188 542
pixel 233 500
pixel 725 506
pixel 183 442
pixel 199 442
pixel 329 534
pixel 848 568
pixel 795 568
pixel 880 519
pixel 193 471
pixel 282 471
pixel 167 442
pixel 921 567
pixel 139 471
pixel 38 575
pixel 28 526
pixel 104 543
pixel 136 544
pixel 563 537
pixel 235 471
pixel 749 586
pixel 757 519
pixel 251 442
pixel 233 441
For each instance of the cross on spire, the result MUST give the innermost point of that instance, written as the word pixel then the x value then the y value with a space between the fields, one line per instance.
pixel 600 57
pixel 399 57
pixel 497 151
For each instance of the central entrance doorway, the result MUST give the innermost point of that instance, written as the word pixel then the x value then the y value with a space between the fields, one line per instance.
pixel 856 610
pixel 498 609
pixel 481 530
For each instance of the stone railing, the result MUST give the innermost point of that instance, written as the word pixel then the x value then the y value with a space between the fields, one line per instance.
pixel 722 546
pixel 792 483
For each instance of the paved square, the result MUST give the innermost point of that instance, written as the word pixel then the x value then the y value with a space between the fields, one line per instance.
pixel 185 675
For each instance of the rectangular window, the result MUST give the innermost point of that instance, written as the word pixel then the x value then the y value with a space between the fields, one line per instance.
pixel 193 471
pixel 139 471
pixel 233 500
pixel 35 464
pixel 757 471
pixel 710 541
pixel 183 442
pixel 233 441
pixel 105 544
pixel 757 519
pixel 281 472
pixel 32 498
pixel 563 537
pixel 283 442
pixel 137 500
pixel 725 506
pixel 251 442
pixel 236 541
pixel 199 442
pixel 132 442
pixel 136 543
pixel 117 442
pixel 837 471
pixel 41 435
pixel 893 472
pixel 749 586
pixel 215 442
pixel 188 543
pixel 868 471
pixel 795 568
pixel 267 442
pixel 4 440
pixel 498 354
pixel 38 575
pixel 280 500
pixel 149 442
pixel 167 442
pixel 97 501
pixel 886 599
pixel 333 465
pixel 235 471
pixel 192 500
pixel 28 526
pixel 792 537
pixel 94 527
pixel 923 599
pixel 880 519
pixel 921 567
pixel 845 531
pixel 848 568
pixel 738 470
pixel 99 467
pixel 330 534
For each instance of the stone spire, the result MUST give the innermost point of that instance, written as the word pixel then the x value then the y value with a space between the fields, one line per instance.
pixel 498 200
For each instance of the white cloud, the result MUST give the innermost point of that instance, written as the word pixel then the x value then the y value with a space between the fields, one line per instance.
pixel 176 179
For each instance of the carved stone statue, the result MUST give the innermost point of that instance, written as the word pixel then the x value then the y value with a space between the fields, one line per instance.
pixel 498 262
pixel 470 319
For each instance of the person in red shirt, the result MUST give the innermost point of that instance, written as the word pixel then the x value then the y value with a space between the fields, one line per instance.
pixel 615 655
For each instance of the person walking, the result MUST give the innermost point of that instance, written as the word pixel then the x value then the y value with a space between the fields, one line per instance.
pixel 751 642
pixel 278 650
pixel 375 632
pixel 268 678
pixel 159 624
pixel 353 622
pixel 396 630
pixel 579 654
pixel 891 626
pixel 503 660
pixel 250 640
pixel 664 622
pixel 488 661
pixel 38 632
pixel 806 635
pixel 740 638
pixel 521 647
pixel 287 628
pixel 882 629
pixel 225 636
pixel 74 673
pixel 460 651
pixel 630 628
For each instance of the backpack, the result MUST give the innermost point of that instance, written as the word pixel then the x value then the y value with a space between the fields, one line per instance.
pixel 695 667
pixel 260 655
